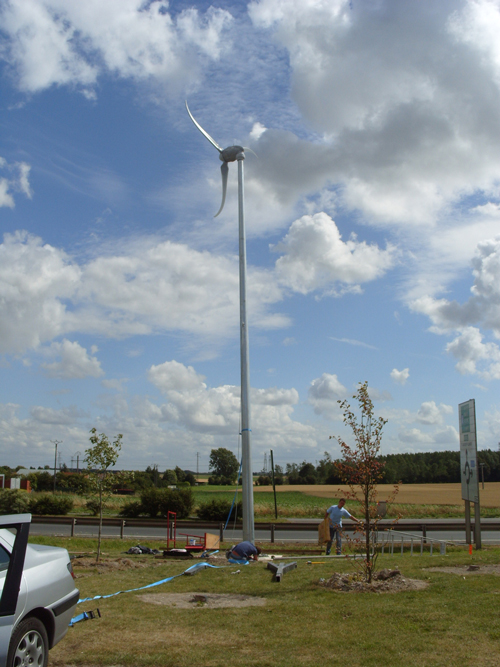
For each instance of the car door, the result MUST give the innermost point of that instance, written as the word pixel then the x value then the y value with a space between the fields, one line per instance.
pixel 20 523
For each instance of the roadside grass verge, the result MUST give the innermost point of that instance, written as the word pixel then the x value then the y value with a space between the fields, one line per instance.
pixel 454 621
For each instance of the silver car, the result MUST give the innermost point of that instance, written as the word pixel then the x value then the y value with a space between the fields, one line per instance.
pixel 38 595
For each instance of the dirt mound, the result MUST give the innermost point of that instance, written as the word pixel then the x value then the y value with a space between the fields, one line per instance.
pixel 385 581
pixel 202 600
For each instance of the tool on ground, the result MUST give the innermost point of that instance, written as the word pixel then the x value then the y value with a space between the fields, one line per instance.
pixel 85 616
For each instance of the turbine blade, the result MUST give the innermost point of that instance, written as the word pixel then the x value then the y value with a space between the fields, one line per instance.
pixel 246 148
pixel 205 134
pixel 224 170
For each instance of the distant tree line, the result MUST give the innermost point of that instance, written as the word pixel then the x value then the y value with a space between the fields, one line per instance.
pixel 418 468
pixel 73 482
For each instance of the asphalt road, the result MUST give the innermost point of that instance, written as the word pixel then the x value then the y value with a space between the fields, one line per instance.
pixel 158 533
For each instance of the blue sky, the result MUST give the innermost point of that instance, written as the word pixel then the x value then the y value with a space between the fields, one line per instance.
pixel 372 216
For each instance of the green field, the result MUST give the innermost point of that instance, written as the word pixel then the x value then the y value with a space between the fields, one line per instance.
pixel 452 623
pixel 299 504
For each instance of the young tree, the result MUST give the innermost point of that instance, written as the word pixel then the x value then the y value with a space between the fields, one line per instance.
pixel 361 469
pixel 99 458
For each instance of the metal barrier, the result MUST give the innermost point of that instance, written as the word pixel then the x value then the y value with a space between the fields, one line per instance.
pixel 423 539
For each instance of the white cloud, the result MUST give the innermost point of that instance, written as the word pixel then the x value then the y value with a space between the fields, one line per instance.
pixel 406 134
pixel 6 199
pixel 379 395
pixel 75 362
pixel 429 413
pixel 400 377
pixel 314 256
pixel 353 341
pixel 17 181
pixel 215 411
pixel 152 286
pixel 491 430
pixel 257 131
pixel 63 417
pixel 72 43
pixel 115 383
pixel 474 356
pixel 35 282
pixel 483 307
pixel 416 440
pixel 324 393
pixel 149 287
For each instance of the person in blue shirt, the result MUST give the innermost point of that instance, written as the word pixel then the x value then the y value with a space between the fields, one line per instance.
pixel 335 514
pixel 243 552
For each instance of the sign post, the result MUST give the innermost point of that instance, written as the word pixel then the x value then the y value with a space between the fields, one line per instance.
pixel 469 468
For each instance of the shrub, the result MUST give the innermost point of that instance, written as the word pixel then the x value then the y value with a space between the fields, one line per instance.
pixel 72 482
pixel 170 477
pixel 161 501
pixel 176 500
pixel 14 501
pixel 191 479
pixel 150 501
pixel 45 481
pixel 218 510
pixel 93 506
pixel 132 509
pixel 55 505
pixel 219 480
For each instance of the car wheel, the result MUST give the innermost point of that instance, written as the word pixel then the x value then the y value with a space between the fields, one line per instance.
pixel 29 644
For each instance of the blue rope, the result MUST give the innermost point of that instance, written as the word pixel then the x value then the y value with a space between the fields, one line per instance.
pixel 191 570
pixel 235 494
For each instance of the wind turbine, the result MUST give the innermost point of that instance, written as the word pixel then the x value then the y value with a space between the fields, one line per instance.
pixel 237 154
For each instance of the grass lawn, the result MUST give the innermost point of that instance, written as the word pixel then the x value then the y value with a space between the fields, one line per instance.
pixel 453 622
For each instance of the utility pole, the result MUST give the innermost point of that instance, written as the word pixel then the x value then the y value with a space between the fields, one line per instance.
pixel 197 464
pixel 77 461
pixel 482 473
pixel 55 442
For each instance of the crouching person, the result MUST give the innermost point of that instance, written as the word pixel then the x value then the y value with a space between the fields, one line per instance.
pixel 242 553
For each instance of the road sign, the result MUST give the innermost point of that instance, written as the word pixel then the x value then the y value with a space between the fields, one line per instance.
pixel 468 451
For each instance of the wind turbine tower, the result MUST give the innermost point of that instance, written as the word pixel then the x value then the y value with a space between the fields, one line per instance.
pixel 226 155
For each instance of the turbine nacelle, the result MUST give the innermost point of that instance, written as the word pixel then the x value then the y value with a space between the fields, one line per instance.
pixel 231 153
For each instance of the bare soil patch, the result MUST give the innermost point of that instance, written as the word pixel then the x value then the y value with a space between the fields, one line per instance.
pixel 109 564
pixel 385 581
pixel 467 570
pixel 203 600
